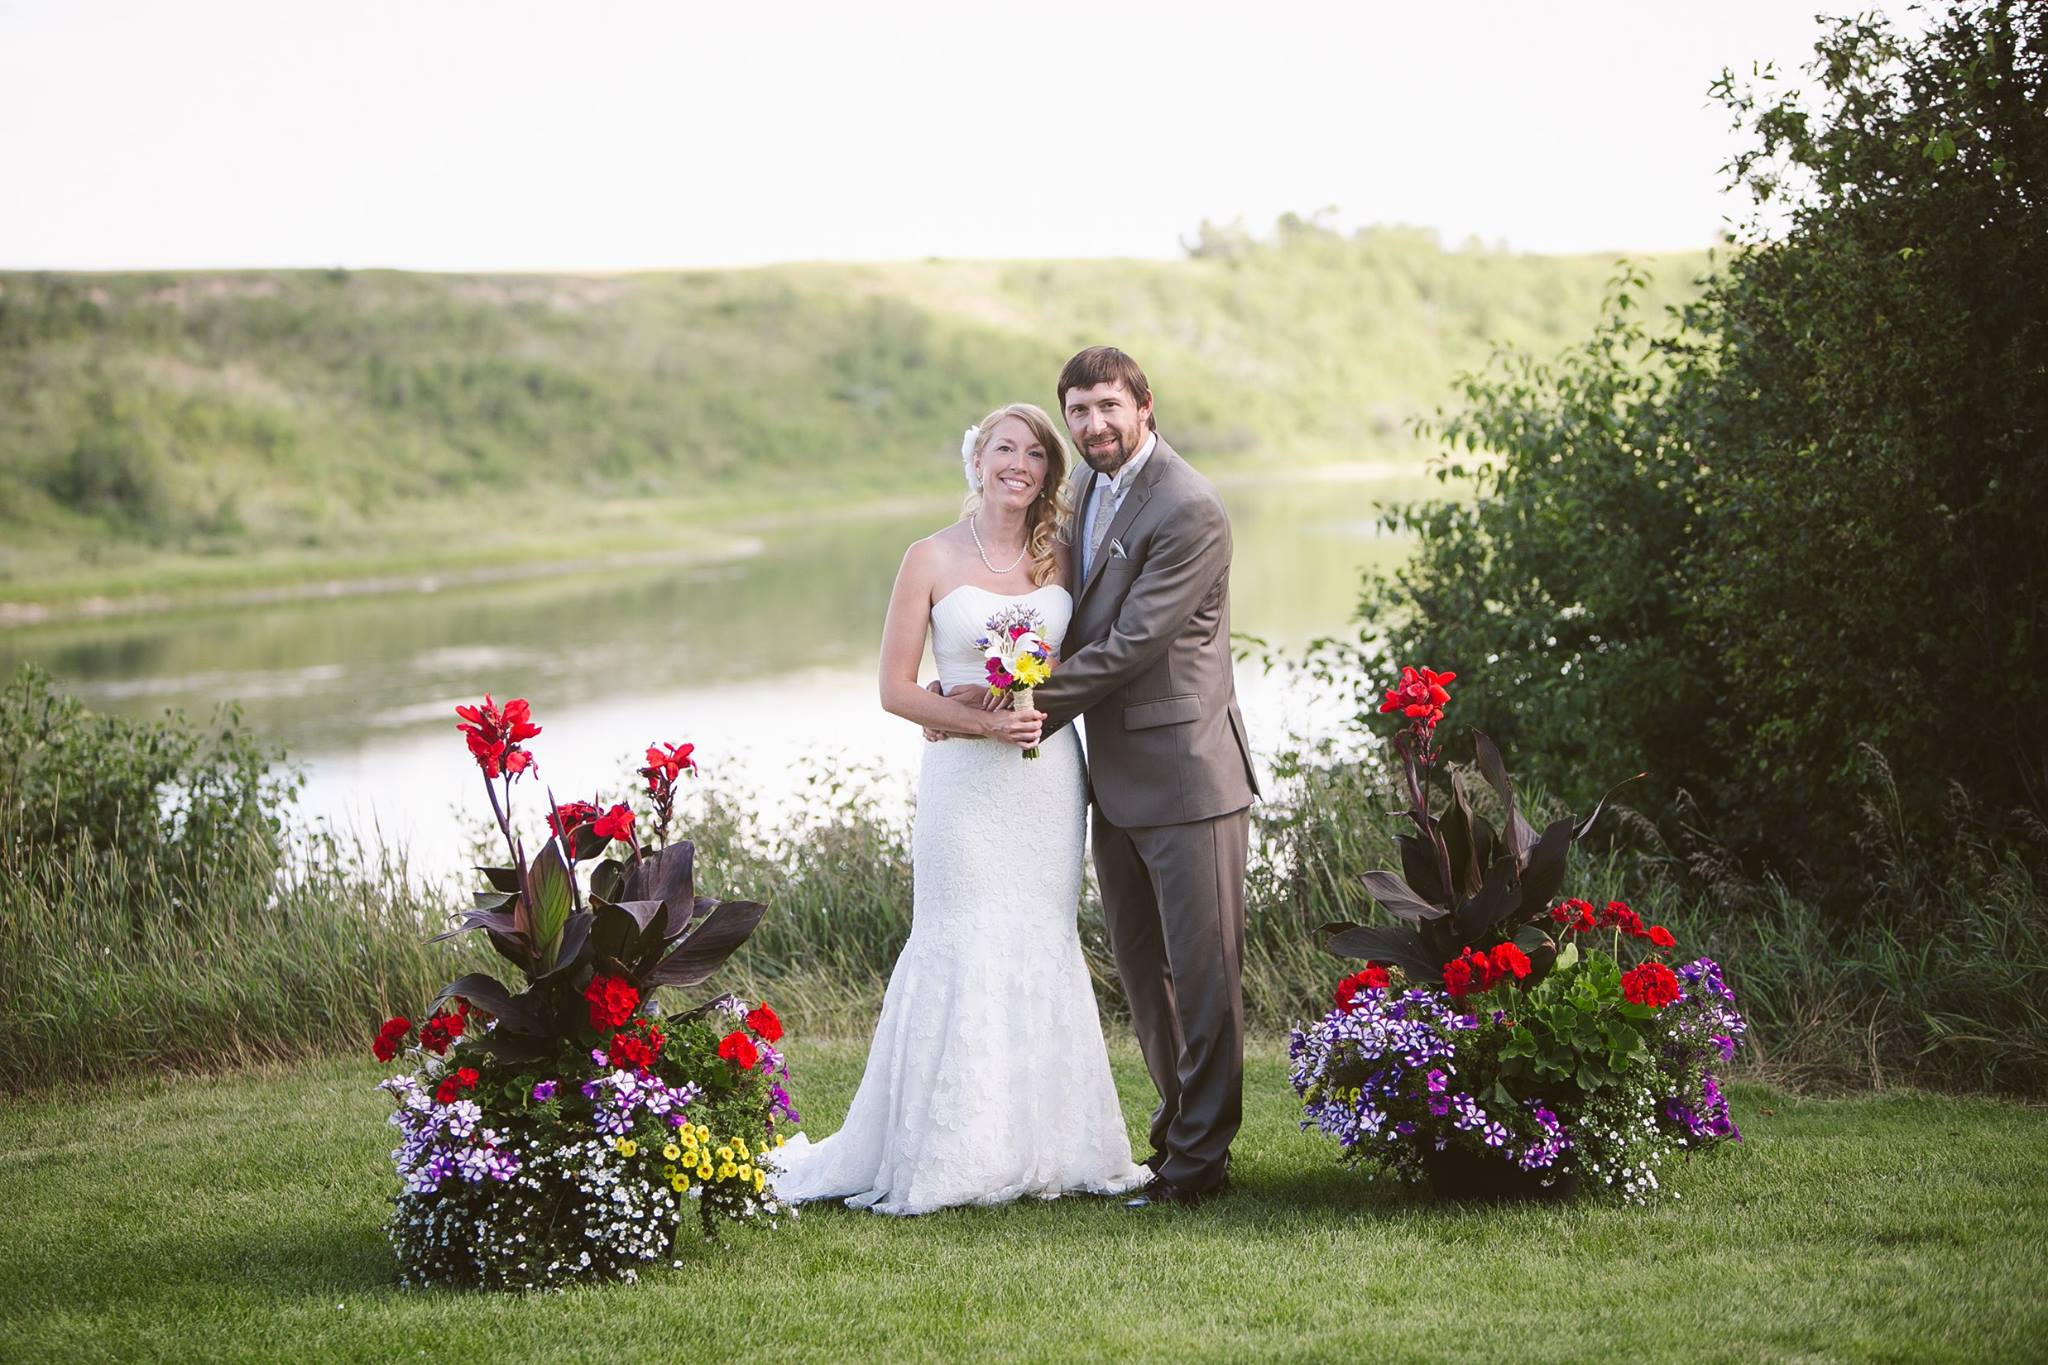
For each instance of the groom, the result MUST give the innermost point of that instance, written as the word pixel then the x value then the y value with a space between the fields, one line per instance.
pixel 1147 667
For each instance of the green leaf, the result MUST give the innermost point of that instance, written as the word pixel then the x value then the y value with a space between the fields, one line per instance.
pixel 548 883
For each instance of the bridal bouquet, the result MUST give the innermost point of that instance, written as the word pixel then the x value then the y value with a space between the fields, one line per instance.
pixel 1494 1041
pixel 572 1129
pixel 1018 657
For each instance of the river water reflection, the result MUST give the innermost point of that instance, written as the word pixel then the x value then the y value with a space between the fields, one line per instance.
pixel 765 662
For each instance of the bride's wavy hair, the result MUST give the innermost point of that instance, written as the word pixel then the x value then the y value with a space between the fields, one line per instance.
pixel 1048 511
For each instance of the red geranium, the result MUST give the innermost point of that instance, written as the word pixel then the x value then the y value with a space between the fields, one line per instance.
pixel 495 734
pixel 612 1001
pixel 570 814
pixel 1619 916
pixel 390 1036
pixel 763 1021
pixel 736 1047
pixel 1662 937
pixel 440 1031
pixel 1420 696
pixel 1374 977
pixel 453 1086
pixel 637 1050
pixel 616 823
pixel 1651 983
pixel 1574 915
pixel 1509 960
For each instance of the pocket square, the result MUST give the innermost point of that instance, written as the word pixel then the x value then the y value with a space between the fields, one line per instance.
pixel 1116 549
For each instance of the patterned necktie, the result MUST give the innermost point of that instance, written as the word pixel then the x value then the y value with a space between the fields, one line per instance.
pixel 1105 513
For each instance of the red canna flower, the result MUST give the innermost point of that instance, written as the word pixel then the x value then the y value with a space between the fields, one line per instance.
pixel 666 763
pixel 1420 696
pixel 763 1022
pixel 495 733
pixel 616 823
pixel 736 1047
pixel 570 814
pixel 1650 983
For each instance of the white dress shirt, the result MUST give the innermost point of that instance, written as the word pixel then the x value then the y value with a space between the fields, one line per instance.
pixel 1106 494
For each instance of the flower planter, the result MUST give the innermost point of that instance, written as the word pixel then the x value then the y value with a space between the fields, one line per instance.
pixel 1462 1174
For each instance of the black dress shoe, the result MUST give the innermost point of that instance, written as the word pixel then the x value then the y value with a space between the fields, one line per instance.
pixel 1159 1190
pixel 1153 1162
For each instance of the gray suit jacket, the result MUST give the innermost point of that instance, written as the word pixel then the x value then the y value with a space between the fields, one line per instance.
pixel 1148 658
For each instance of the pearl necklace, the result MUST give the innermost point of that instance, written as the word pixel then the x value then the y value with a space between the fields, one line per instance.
pixel 975 531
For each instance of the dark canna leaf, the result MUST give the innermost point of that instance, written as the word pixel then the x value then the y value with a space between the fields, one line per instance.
pixel 1521 838
pixel 575 934
pixel 706 947
pixel 1601 804
pixel 1545 871
pixel 499 921
pixel 489 994
pixel 1501 893
pixel 1383 943
pixel 607 881
pixel 491 900
pixel 1459 842
pixel 1418 865
pixel 501 878
pixel 1398 899
pixel 667 875
pixel 1541 949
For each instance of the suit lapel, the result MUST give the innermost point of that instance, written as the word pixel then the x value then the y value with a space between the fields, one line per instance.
pixel 1133 504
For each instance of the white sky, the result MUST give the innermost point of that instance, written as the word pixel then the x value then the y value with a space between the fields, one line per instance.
pixel 607 134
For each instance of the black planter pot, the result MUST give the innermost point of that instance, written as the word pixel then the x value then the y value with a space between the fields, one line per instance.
pixel 1458 1173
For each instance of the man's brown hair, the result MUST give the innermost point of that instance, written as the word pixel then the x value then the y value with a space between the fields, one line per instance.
pixel 1106 365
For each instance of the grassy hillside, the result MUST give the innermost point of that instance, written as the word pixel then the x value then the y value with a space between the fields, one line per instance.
pixel 250 421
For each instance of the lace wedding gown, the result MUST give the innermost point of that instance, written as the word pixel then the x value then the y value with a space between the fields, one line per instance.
pixel 987 1079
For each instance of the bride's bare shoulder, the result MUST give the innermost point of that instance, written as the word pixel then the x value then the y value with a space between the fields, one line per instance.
pixel 937 554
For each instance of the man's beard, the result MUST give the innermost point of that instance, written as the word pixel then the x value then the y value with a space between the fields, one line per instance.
pixel 1109 461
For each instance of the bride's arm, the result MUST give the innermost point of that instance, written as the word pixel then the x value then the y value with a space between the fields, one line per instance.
pixel 903 632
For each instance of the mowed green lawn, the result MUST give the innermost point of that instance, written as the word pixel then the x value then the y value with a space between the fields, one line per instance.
pixel 239 1218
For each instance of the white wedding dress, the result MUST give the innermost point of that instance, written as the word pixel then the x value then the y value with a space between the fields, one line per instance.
pixel 987 1079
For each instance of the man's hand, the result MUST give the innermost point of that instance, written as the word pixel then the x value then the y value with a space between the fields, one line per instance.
pixel 932 736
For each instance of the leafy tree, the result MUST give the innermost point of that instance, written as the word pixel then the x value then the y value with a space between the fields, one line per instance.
pixel 1805 516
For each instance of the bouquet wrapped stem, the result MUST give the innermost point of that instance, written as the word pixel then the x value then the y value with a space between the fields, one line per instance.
pixel 1020 698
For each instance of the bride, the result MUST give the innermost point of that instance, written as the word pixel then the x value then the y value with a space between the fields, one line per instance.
pixel 987 1079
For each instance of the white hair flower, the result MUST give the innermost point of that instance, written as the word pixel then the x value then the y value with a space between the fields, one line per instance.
pixel 967 441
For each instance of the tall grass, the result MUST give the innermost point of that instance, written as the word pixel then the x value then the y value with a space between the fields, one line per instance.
pixel 108 962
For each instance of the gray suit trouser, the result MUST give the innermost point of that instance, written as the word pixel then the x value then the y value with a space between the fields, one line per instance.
pixel 1173 901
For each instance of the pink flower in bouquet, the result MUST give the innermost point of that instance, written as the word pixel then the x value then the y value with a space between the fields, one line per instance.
pixel 495 734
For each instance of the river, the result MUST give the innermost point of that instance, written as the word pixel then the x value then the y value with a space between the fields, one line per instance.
pixel 766 662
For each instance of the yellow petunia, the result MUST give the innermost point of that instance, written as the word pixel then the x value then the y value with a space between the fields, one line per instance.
pixel 746 1172
pixel 725 1154
pixel 703 1133
pixel 760 1181
pixel 627 1147
pixel 678 1182
pixel 728 1171
pixel 740 1145
pixel 668 1172
pixel 780 1139
pixel 689 1136
pixel 672 1152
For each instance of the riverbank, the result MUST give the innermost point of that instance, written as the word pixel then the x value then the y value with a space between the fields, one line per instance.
pixel 443 548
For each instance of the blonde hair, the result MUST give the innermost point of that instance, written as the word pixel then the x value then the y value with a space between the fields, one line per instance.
pixel 1048 511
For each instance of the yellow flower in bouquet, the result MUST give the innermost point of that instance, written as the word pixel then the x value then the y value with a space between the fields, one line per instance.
pixel 1029 670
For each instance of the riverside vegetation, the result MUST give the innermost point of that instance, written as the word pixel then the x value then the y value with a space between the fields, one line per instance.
pixel 194 432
